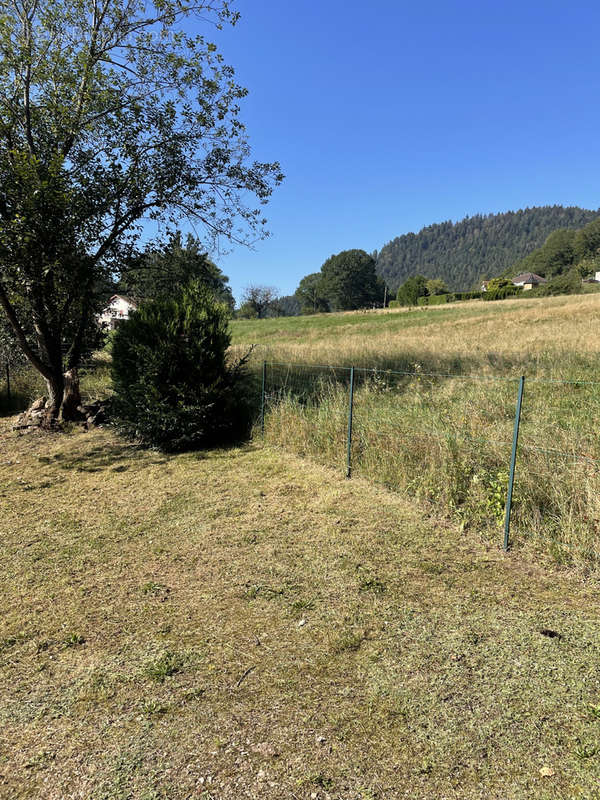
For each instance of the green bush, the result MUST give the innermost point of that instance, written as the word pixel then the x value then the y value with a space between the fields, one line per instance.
pixel 567 283
pixel 173 386
pixel 502 293
pixel 394 304
pixel 467 295
pixel 435 299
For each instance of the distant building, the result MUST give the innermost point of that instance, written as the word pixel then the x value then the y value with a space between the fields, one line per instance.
pixel 528 280
pixel 118 310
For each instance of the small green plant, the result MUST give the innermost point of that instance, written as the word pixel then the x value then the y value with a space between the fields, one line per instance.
pixel 153 708
pixel 155 589
pixel 594 711
pixel 496 495
pixel 169 663
pixel 74 640
pixel 430 568
pixel 302 605
pixel 266 592
pixel 583 751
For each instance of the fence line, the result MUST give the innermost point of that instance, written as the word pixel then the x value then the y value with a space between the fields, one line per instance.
pixel 317 388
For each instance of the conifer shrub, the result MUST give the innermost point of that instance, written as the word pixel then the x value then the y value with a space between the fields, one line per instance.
pixel 174 388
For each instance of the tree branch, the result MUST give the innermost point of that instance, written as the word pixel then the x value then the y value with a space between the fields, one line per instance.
pixel 44 369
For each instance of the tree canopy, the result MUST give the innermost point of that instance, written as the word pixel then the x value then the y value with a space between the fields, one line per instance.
pixel 349 281
pixel 311 294
pixel 462 253
pixel 259 302
pixel 166 270
pixel 408 294
pixel 563 250
pixel 111 113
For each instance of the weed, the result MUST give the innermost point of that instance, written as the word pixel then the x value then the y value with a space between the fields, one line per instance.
pixel 431 568
pixel 594 711
pixel 584 751
pixel 155 589
pixel 302 605
pixel 74 640
pixel 153 707
pixel 167 664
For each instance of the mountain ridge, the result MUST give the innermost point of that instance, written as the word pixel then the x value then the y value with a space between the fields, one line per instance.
pixel 476 247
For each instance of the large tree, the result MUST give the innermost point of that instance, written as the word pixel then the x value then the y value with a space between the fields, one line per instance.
pixel 111 113
pixel 348 281
pixel 311 294
pixel 259 302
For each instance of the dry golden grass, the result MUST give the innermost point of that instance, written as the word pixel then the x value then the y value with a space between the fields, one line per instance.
pixel 245 624
pixel 444 441
pixel 535 334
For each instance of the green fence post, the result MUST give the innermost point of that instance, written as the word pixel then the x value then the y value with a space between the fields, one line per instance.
pixel 349 437
pixel 262 399
pixel 513 461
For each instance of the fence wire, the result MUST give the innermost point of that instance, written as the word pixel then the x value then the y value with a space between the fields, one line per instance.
pixel 452 439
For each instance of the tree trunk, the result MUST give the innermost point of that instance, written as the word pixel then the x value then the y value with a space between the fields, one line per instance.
pixel 71 399
pixel 63 398
pixel 56 388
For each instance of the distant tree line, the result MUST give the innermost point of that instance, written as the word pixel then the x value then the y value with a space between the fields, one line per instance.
pixel 481 246
pixel 564 251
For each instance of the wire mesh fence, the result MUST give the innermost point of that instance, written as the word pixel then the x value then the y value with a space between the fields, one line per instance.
pixel 517 455
pixel 20 384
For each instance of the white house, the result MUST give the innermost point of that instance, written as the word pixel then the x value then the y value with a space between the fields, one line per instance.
pixel 118 310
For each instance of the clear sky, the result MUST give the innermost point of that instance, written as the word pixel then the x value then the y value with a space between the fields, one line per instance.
pixel 391 115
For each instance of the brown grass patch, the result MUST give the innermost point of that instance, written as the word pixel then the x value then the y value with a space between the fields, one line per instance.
pixel 245 624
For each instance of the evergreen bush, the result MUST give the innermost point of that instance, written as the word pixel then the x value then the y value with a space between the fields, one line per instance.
pixel 173 386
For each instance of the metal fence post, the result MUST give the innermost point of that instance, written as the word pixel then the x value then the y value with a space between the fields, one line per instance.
pixel 513 460
pixel 349 437
pixel 262 399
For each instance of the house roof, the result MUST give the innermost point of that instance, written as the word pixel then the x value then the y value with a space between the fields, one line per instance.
pixel 125 298
pixel 529 277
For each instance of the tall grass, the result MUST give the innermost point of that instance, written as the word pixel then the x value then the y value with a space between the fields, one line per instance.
pixel 25 385
pixel 446 441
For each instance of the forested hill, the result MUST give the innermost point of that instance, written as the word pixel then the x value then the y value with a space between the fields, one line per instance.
pixel 477 247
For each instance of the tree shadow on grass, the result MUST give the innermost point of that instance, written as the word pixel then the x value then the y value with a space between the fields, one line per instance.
pixel 17 402
pixel 123 456
pixel 119 456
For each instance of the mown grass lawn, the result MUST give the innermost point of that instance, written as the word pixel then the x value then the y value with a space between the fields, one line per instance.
pixel 245 624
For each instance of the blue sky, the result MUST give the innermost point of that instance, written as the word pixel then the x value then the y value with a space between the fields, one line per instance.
pixel 390 116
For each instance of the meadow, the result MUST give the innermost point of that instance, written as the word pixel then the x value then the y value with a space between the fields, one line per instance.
pixel 434 414
pixel 247 623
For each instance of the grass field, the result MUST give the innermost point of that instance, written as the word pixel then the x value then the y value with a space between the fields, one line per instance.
pixel 245 623
pixel 447 441
pixel 551 337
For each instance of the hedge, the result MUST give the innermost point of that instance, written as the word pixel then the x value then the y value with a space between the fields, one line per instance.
pixel 436 299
